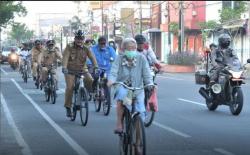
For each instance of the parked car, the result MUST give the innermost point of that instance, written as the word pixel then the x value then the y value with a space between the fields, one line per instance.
pixel 6 51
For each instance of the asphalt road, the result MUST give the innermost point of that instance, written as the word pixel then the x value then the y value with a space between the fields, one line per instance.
pixel 182 126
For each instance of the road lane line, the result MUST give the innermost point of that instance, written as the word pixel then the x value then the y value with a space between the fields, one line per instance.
pixel 65 136
pixel 197 103
pixel 5 73
pixel 172 78
pixel 171 130
pixel 20 140
pixel 222 151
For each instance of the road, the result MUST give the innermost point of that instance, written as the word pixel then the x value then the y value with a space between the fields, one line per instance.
pixel 182 126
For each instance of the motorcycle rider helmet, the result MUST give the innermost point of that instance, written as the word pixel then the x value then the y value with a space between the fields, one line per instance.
pixel 224 40
pixel 140 39
pixel 79 35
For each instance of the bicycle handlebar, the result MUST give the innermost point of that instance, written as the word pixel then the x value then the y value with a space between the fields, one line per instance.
pixel 132 88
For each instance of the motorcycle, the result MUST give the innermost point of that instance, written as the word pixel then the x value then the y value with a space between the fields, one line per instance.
pixel 13 60
pixel 227 90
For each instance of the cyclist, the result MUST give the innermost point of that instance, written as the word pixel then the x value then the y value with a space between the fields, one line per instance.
pixel 25 55
pixel 132 68
pixel 144 48
pixel 35 53
pixel 49 57
pixel 74 59
pixel 104 54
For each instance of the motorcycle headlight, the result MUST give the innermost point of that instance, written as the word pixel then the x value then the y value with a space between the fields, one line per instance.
pixel 236 74
pixel 216 88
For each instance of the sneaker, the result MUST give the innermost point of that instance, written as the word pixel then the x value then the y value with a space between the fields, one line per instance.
pixel 68 112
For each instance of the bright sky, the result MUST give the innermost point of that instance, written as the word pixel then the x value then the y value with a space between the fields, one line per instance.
pixel 35 8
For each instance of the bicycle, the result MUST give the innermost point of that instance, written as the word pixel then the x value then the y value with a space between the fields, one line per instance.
pixel 50 86
pixel 134 134
pixel 102 93
pixel 80 98
pixel 37 81
pixel 24 69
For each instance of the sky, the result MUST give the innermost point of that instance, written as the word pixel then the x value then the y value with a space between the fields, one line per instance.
pixel 36 8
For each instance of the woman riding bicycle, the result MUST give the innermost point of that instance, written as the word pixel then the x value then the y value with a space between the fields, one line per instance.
pixel 131 68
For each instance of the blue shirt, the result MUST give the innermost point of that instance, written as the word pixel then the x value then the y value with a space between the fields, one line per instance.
pixel 103 56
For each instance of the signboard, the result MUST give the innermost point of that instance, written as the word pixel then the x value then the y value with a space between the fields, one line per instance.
pixel 95 5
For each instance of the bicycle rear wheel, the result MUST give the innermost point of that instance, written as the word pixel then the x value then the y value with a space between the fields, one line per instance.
pixel 84 106
pixel 138 138
pixel 53 95
pixel 107 102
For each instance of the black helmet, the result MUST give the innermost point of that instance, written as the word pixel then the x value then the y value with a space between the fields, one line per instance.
pixel 224 40
pixel 50 42
pixel 140 39
pixel 37 42
pixel 79 34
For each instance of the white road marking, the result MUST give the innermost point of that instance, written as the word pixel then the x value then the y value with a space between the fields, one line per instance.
pixel 5 73
pixel 171 130
pixel 197 103
pixel 222 151
pixel 20 140
pixel 172 78
pixel 65 136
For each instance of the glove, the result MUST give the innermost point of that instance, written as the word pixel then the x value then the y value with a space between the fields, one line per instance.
pixel 65 70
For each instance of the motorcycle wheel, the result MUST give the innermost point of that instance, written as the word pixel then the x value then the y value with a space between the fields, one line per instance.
pixel 212 106
pixel 237 103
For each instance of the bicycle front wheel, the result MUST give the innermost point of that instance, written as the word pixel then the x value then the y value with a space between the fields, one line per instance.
pixel 107 101
pixel 84 106
pixel 74 109
pixel 138 139
pixel 53 96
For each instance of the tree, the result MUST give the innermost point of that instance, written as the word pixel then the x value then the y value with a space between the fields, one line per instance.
pixel 20 32
pixel 174 28
pixel 75 23
pixel 228 14
pixel 205 26
pixel 8 9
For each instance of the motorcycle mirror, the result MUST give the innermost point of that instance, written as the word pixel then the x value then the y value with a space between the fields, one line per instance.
pixel 248 60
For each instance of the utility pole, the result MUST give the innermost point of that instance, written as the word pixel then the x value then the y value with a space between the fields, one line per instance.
pixel 91 25
pixel 181 28
pixel 169 35
pixel 114 26
pixel 140 19
pixel 0 38
pixel 61 37
pixel 102 18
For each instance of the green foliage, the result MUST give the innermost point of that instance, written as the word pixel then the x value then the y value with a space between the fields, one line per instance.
pixel 173 28
pixel 8 9
pixel 228 14
pixel 20 32
pixel 211 24
pixel 183 58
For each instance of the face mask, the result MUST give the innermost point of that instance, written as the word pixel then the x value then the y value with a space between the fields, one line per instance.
pixel 130 54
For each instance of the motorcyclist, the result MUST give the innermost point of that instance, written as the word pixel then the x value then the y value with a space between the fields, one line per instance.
pixel 146 51
pixel 74 59
pixel 13 54
pixel 221 56
pixel 35 53
pixel 25 54
pixel 49 57
pixel 104 54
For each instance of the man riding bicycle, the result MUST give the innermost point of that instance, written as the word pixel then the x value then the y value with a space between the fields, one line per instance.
pixel 74 59
pixel 25 55
pixel 132 68
pixel 35 53
pixel 104 54
pixel 49 57
pixel 144 48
